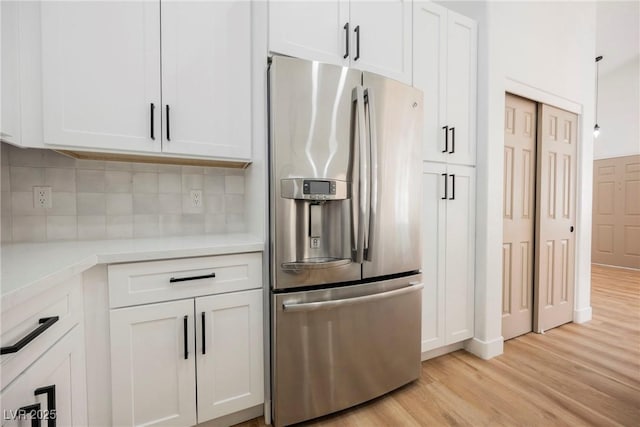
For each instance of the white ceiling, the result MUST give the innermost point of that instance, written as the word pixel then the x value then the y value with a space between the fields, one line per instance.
pixel 617 33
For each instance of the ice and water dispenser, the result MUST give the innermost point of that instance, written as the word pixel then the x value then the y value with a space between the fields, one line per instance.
pixel 320 215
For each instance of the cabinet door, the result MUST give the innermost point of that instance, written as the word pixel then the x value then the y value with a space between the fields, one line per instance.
pixel 381 37
pixel 460 253
pixel 434 230
pixel 229 353
pixel 206 78
pixel 102 66
pixel 153 365
pixel 430 75
pixel 313 30
pixel 63 367
pixel 10 84
pixel 461 88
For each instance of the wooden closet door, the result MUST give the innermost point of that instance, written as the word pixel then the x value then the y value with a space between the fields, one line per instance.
pixel 518 216
pixel 616 212
pixel 556 194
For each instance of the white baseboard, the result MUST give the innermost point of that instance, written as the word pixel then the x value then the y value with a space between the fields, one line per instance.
pixel 616 266
pixel 485 349
pixel 583 315
pixel 235 418
pixel 426 355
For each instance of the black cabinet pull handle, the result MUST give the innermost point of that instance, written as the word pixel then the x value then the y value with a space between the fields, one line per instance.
pixel 445 187
pixel 45 323
pixel 346 40
pixel 204 339
pixel 453 140
pixel 186 279
pixel 33 411
pixel 168 128
pixel 453 187
pixel 357 31
pixel 186 344
pixel 152 133
pixel 50 391
pixel 446 138
pixel 571 229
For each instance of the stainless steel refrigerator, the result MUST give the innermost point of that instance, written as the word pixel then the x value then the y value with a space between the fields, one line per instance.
pixel 345 195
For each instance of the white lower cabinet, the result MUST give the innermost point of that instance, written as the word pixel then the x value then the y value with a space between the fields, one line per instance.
pixel 159 352
pixel 448 250
pixel 152 364
pixel 229 355
pixel 53 387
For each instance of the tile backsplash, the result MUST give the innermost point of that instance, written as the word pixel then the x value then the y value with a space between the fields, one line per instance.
pixel 114 200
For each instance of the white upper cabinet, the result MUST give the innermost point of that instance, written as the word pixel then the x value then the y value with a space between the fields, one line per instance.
pixel 100 74
pixel 372 36
pixel 381 38
pixel 122 77
pixel 461 88
pixel 206 78
pixel 314 30
pixel 430 74
pixel 444 67
pixel 10 120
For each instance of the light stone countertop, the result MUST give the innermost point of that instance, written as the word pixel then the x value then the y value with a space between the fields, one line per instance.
pixel 30 268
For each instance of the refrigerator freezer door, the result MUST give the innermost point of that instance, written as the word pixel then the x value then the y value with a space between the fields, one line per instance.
pixel 338 347
pixel 312 136
pixel 394 114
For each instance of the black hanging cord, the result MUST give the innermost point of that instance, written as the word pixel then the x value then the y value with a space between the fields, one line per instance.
pixel 598 58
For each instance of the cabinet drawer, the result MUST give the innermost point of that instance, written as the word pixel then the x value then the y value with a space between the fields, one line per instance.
pixel 145 282
pixel 55 382
pixel 63 300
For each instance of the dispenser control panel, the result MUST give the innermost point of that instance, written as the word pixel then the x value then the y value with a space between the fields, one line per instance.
pixel 318 187
pixel 314 189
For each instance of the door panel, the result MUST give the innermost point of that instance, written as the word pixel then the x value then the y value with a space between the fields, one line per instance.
pixel 206 78
pixel 395 116
pixel 152 381
pixel 460 253
pixel 101 78
pixel 327 344
pixel 384 29
pixel 461 88
pixel 10 102
pixel 430 65
pixel 311 107
pixel 312 30
pixel 556 192
pixel 230 365
pixel 518 216
pixel 616 213
pixel 62 366
pixel 434 228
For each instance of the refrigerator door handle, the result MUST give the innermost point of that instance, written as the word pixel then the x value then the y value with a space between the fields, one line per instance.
pixel 369 100
pixel 357 98
pixel 325 305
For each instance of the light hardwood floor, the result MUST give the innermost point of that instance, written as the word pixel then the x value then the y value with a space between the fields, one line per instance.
pixel 587 374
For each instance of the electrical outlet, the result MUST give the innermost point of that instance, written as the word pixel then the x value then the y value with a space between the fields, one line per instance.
pixel 196 198
pixel 42 197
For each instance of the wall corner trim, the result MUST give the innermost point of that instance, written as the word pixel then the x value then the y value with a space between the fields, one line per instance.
pixel 582 315
pixel 485 349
